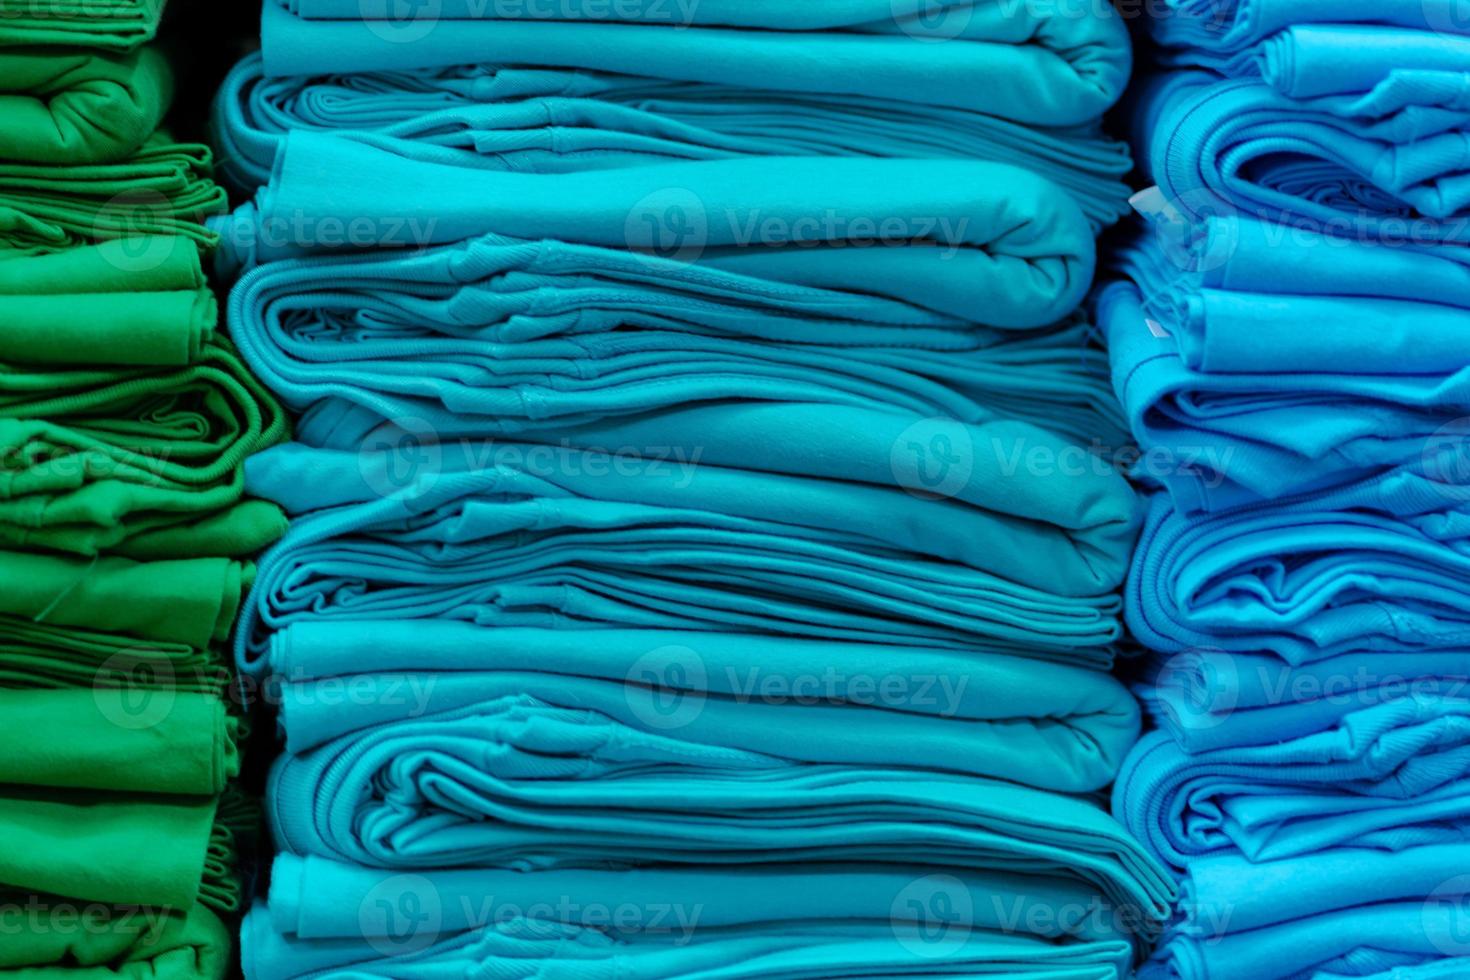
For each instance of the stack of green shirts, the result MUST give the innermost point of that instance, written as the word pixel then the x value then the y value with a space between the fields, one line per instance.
pixel 125 533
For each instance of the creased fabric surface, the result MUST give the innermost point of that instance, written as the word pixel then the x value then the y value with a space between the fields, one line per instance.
pixel 528 749
pixel 104 24
pixel 753 922
pixel 69 818
pixel 77 105
pixel 1376 566
pixel 1039 64
pixel 1398 926
pixel 163 188
pixel 1198 28
pixel 1079 721
pixel 1245 386
pixel 950 240
pixel 554 120
pixel 539 314
pixel 126 943
pixel 1304 50
pixel 828 544
pixel 141 462
pixel 125 302
pixel 509 335
pixel 1387 169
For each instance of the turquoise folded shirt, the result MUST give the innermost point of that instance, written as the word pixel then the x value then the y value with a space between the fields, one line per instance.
pixel 844 541
pixel 557 120
pixel 1037 63
pixel 940 242
pixel 331 920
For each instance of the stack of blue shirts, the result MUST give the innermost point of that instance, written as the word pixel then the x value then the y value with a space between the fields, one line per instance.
pixel 706 543
pixel 1289 342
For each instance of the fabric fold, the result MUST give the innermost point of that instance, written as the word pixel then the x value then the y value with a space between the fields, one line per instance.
pixel 106 24
pixel 1357 169
pixel 543 535
pixel 189 601
pixel 137 461
pixel 126 942
pixel 510 335
pixel 163 189
pixel 1019 709
pixel 752 922
pixel 554 120
pixel 939 237
pixel 1231 413
pixel 67 107
pixel 118 774
pixel 1038 64
pixel 1375 566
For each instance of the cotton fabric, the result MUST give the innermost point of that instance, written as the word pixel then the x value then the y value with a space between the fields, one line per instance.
pixel 553 120
pixel 1041 65
pixel 756 919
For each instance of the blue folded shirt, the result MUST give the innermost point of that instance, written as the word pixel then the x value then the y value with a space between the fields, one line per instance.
pixel 332 920
pixel 1038 63
pixel 788 519
pixel 1390 775
pixel 1342 912
pixel 937 242
pixel 1365 168
pixel 1198 27
pixel 1375 566
pixel 557 120
pixel 1240 393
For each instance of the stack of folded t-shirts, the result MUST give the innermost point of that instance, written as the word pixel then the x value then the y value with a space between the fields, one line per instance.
pixel 125 531
pixel 934 287
pixel 1289 347
pixel 705 547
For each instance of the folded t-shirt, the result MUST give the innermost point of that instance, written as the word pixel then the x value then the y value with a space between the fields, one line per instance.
pixel 1039 63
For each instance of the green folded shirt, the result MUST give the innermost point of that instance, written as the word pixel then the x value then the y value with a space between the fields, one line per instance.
pixel 117 944
pixel 71 105
pixel 41 655
pixel 144 462
pixel 129 302
pixel 162 189
pixel 107 773
pixel 191 601
pixel 113 24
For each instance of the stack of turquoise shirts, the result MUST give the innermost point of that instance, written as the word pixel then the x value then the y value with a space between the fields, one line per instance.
pixel 126 534
pixel 705 538
pixel 1288 341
